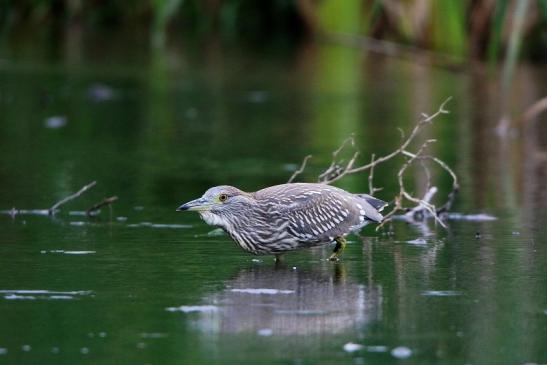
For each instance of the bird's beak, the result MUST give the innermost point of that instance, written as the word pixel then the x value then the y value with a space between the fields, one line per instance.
pixel 199 205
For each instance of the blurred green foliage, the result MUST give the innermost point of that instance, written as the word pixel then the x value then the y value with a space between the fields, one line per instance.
pixel 461 28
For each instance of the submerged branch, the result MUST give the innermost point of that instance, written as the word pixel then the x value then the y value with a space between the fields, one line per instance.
pixel 99 205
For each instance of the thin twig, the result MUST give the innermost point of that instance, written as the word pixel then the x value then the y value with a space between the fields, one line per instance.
pixel 533 111
pixel 99 205
pixel 300 170
pixel 55 206
pixel 352 170
pixel 371 188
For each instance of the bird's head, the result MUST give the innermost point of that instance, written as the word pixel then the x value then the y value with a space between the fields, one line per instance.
pixel 219 200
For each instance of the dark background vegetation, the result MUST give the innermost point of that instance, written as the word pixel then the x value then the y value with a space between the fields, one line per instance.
pixel 466 29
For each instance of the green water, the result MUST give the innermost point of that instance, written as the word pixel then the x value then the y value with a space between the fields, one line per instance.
pixel 157 128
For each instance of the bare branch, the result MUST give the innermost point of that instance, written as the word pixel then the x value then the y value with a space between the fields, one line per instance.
pixel 53 209
pixel 300 169
pixel 533 111
pixel 343 171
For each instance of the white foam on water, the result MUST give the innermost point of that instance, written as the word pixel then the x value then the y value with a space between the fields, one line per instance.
pixel 352 347
pixel 19 297
pixel 62 297
pixel 417 241
pixel 193 308
pixel 401 352
pixel 25 294
pixel 262 291
pixel 471 217
pixel 78 223
pixel 440 293
pixel 70 252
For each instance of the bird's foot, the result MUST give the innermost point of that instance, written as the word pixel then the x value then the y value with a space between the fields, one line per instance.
pixel 338 249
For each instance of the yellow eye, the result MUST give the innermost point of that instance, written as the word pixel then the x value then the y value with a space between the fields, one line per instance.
pixel 222 198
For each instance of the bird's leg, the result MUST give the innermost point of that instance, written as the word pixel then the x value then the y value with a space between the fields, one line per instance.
pixel 338 249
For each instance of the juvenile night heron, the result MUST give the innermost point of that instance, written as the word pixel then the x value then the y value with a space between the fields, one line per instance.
pixel 287 217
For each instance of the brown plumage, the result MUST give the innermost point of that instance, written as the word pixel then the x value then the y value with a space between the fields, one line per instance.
pixel 287 217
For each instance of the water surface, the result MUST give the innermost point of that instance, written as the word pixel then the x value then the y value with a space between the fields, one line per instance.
pixel 143 284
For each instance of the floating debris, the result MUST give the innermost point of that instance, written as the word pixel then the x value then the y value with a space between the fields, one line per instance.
pixel 441 293
pixel 141 345
pixel 84 350
pixel 256 260
pixel 470 217
pixel 56 121
pixel 121 219
pixel 352 347
pixel 70 252
pixel 401 352
pixel 26 348
pixel 55 350
pixel 193 308
pixel 265 332
pixel 262 291
pixel 43 294
pixel 417 241
pixel 3 350
pixel 138 208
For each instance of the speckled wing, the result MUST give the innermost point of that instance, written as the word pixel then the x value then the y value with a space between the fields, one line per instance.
pixel 318 213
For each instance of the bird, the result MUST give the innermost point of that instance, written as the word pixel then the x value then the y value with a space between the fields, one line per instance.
pixel 287 217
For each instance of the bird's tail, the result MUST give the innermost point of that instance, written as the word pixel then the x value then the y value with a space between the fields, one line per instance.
pixel 377 204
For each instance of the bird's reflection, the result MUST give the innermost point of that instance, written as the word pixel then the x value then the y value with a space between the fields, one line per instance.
pixel 287 301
